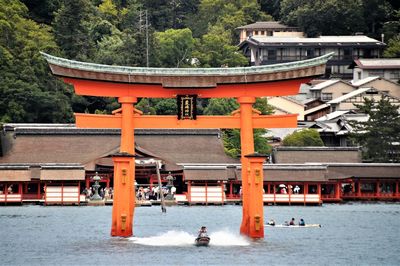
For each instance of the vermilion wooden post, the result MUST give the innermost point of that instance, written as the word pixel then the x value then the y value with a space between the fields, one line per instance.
pixel 124 174
pixel 256 203
pixel 358 188
pixel 378 193
pixel 337 191
pixel 247 147
pixel 319 189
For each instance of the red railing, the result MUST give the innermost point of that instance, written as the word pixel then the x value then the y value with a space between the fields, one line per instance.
pixel 31 196
pixel 371 195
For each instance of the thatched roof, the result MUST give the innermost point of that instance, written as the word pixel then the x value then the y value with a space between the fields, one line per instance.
pixel 35 145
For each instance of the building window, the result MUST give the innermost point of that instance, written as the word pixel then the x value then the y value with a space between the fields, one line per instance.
pixel 310 53
pixel 359 75
pixel 256 32
pixel 376 72
pixel 347 54
pixel 315 94
pixel 262 32
pixel 395 74
pixel 326 96
pixel 269 33
pixel 271 54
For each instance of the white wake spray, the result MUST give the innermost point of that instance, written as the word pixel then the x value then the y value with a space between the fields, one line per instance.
pixel 181 238
pixel 226 238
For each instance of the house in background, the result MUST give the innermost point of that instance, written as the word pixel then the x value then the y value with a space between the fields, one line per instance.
pixel 265 50
pixel 331 89
pixel 287 105
pixel 268 28
pixel 388 68
pixel 333 95
pixel 335 127
pixel 379 83
pixel 348 102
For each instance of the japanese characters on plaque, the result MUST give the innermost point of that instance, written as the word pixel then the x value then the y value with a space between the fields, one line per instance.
pixel 186 107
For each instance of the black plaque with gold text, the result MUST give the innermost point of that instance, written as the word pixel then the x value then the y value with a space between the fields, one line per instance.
pixel 186 107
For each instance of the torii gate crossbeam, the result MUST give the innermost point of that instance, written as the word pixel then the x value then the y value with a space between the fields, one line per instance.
pixel 202 122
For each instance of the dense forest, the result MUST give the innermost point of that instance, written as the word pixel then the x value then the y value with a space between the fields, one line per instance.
pixel 156 33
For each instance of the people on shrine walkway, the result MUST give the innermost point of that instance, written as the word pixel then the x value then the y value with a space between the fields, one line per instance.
pixel 173 191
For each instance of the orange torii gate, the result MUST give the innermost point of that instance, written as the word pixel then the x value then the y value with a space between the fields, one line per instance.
pixel 242 83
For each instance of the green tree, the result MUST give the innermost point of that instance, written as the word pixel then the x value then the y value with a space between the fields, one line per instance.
pixel 271 7
pixel 174 47
pixel 332 17
pixel 393 48
pixel 225 106
pixel 157 106
pixel 262 105
pixel 28 92
pixel 231 137
pixel 213 50
pixel 109 10
pixel 71 29
pixel 145 106
pixel 42 11
pixel 303 138
pixel 380 135
pixel 165 106
pixel 169 14
pixel 391 30
pixel 232 145
pixel 376 13
pixel 226 14
pixel 221 106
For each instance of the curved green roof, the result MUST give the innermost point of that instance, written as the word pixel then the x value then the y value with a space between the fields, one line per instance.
pixel 221 71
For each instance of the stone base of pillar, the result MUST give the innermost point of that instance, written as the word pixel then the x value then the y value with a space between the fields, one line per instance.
pixel 96 203
pixel 255 190
pixel 123 200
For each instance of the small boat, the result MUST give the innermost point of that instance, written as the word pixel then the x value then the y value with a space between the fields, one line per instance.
pixel 293 226
pixel 202 240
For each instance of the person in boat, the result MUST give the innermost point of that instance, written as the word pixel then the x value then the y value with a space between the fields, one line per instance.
pixel 271 222
pixel 302 223
pixel 292 222
pixel 203 231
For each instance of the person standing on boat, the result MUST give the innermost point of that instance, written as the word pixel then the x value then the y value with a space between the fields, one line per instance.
pixel 302 223
pixel 292 222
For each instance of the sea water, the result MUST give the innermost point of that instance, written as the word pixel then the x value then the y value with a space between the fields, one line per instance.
pixel 351 234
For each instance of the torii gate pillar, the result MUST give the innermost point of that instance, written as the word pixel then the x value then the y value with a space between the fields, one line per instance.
pixel 252 201
pixel 124 173
pixel 247 147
